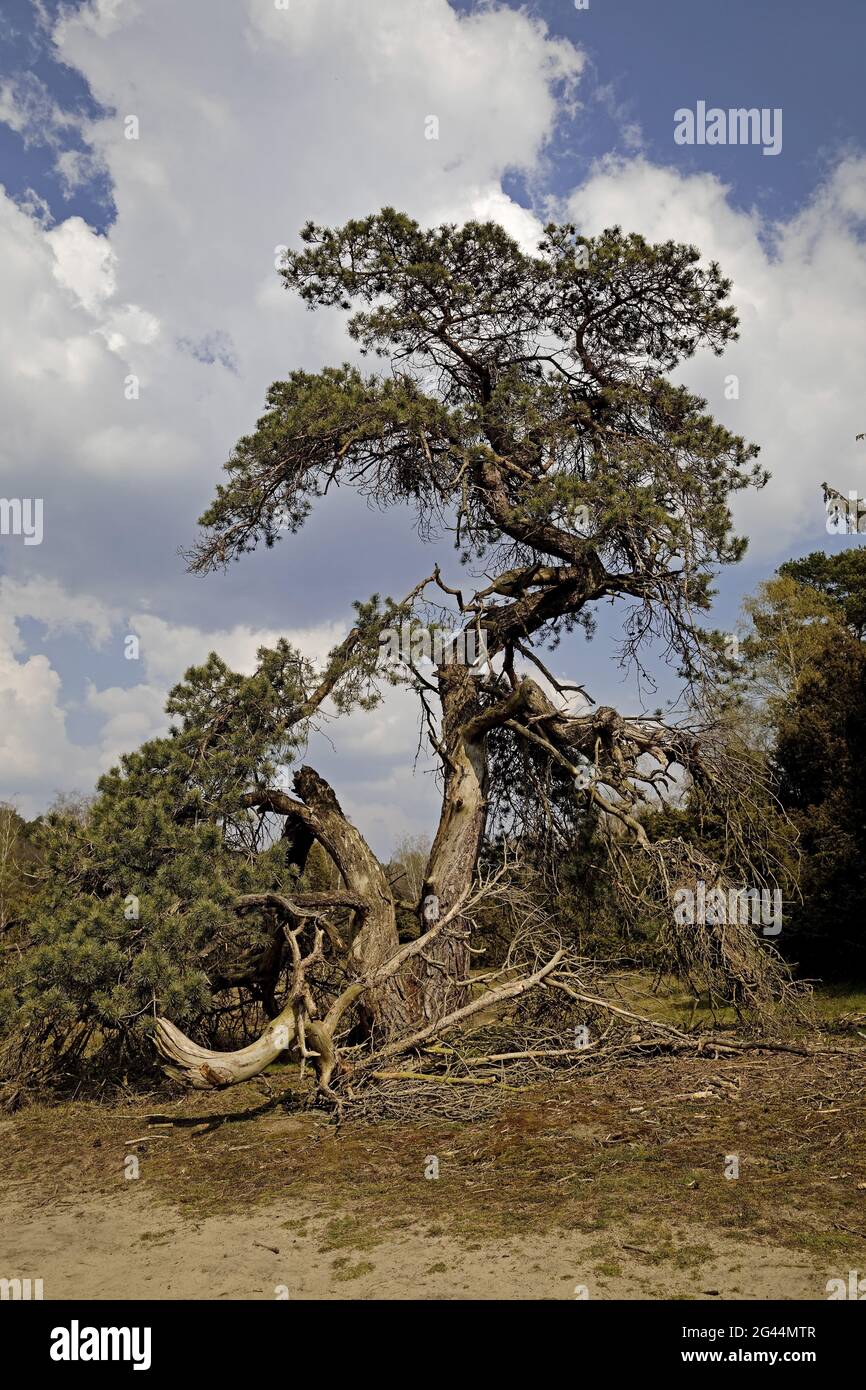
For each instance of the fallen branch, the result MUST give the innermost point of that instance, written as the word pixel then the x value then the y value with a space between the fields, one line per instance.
pixel 438 1080
pixel 452 1020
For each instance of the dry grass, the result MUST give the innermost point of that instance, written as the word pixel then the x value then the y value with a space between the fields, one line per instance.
pixel 640 1151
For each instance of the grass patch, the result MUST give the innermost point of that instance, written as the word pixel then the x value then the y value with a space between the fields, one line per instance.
pixel 342 1276
pixel 348 1233
pixel 629 1151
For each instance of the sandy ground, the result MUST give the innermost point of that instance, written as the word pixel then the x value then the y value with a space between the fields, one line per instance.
pixel 612 1183
pixel 135 1248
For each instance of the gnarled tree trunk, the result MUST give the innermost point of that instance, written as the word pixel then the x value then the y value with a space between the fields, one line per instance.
pixel 442 972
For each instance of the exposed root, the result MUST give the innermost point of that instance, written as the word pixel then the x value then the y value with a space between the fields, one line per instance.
pixel 202 1068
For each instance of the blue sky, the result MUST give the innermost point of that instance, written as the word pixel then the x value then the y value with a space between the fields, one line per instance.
pixel 646 62
pixel 28 161
pixel 650 59
pixel 154 257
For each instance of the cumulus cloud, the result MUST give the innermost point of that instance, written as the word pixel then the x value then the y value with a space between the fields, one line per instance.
pixel 35 752
pixel 39 757
pixel 84 263
pixel 131 361
pixel 48 603
pixel 147 351
pixel 800 290
pixel 136 712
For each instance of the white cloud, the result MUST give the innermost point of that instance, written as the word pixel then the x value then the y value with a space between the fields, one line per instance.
pixel 323 115
pixel 58 611
pixel 167 649
pixel 83 263
pixel 37 754
pixel 800 290
pixel 27 107
pixel 366 757
pixel 34 748
pixel 131 715
pixel 252 120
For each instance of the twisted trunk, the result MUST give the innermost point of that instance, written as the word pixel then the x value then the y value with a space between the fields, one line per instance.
pixel 423 984
pixel 442 972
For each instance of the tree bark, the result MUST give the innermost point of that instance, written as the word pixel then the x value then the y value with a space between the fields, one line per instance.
pixel 374 927
pixel 441 974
